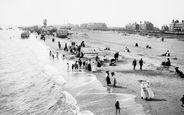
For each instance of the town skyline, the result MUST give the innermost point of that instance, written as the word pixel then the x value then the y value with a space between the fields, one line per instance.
pixel 114 13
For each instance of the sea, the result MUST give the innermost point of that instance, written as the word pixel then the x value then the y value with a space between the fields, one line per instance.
pixel 31 83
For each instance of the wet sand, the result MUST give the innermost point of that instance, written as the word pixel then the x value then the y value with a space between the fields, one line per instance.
pixel 166 85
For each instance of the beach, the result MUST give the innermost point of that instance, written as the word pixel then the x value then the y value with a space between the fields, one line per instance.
pixel 87 91
pixel 165 83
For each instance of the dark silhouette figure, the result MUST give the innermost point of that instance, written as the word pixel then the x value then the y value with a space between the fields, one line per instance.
pixel 73 66
pixel 84 64
pixel 134 63
pixel 50 53
pixel 65 48
pixel 59 45
pixel 167 63
pixel 80 63
pixel 162 39
pixel 117 106
pixel 76 65
pixel 112 63
pixel 116 55
pixel 182 100
pixel 82 44
pixel 136 44
pixel 180 73
pixel 108 78
pixel 141 63
pixel 89 65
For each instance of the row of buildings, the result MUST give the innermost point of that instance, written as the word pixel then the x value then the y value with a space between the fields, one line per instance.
pixel 174 26
pixel 145 26
pixel 94 26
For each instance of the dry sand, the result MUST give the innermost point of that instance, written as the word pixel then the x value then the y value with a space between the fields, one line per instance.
pixel 166 85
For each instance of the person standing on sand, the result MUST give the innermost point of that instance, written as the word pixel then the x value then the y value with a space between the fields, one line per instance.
pixel 108 78
pixel 57 55
pixel 59 45
pixel 146 92
pixel 134 63
pixel 182 100
pixel 93 67
pixel 68 66
pixel 89 65
pixel 50 53
pixel 116 55
pixel 113 78
pixel 141 63
pixel 117 106
pixel 80 63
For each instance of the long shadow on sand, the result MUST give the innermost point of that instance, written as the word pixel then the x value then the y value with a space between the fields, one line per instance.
pixel 143 72
pixel 158 100
pixel 121 87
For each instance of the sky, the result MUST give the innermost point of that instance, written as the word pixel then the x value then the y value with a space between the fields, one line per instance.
pixel 115 13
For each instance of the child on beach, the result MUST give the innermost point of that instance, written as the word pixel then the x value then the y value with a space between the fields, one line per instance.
pixel 117 106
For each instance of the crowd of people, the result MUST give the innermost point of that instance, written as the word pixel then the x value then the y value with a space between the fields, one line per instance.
pixel 53 54
pixel 75 49
pixel 83 65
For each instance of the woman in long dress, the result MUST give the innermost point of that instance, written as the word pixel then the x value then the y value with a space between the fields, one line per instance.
pixel 113 79
pixel 150 92
pixel 93 67
pixel 146 92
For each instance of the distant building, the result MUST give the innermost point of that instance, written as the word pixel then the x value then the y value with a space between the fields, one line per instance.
pixel 133 26
pixel 94 26
pixel 84 26
pixel 176 26
pixel 97 26
pixel 165 28
pixel 146 26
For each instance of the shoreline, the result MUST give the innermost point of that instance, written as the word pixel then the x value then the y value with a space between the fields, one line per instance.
pixel 133 87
